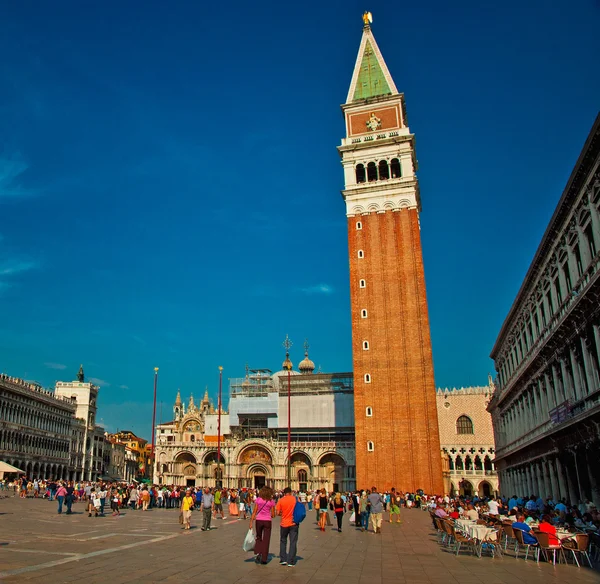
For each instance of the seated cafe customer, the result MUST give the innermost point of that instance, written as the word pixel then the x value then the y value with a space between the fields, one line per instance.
pixel 547 527
pixel 471 513
pixel 520 524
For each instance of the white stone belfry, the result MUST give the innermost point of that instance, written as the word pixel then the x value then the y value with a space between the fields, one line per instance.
pixel 378 153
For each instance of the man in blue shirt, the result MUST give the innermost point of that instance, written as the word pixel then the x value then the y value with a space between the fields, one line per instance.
pixel 520 524
pixel 530 505
pixel 560 507
pixel 512 503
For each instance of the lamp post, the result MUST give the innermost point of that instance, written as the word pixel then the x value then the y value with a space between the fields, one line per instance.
pixel 287 364
pixel 154 419
pixel 219 484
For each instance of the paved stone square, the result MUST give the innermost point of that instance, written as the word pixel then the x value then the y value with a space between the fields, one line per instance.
pixel 37 545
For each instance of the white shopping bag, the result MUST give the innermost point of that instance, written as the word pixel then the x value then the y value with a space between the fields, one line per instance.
pixel 353 517
pixel 249 541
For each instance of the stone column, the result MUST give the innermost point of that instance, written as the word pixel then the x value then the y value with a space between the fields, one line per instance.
pixel 539 476
pixel 577 383
pixel 517 482
pixel 571 476
pixel 504 480
pixel 572 266
pixel 587 368
pixel 591 459
pixel 595 218
pixel 553 480
pixel 562 482
pixel 566 379
pixel 529 480
pixel 549 391
pixel 596 330
pixel 558 386
pixel 532 479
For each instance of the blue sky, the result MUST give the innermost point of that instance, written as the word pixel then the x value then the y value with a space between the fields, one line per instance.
pixel 169 181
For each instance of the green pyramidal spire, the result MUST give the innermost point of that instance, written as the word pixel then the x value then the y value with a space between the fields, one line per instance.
pixel 371 80
pixel 371 77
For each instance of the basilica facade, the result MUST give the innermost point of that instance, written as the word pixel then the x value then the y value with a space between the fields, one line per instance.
pixel 253 449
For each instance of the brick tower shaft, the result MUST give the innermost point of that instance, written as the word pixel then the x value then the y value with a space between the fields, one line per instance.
pixel 397 435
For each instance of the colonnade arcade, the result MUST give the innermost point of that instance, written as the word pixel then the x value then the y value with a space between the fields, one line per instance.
pixel 568 469
pixel 40 470
pixel 253 466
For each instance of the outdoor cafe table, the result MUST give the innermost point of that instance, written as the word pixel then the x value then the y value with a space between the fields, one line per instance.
pixel 480 532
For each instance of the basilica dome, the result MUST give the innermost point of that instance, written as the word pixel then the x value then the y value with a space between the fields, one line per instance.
pixel 306 366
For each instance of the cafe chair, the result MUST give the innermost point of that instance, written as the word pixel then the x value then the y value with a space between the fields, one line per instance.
pixel 520 544
pixel 546 547
pixel 491 542
pixel 578 544
pixel 460 539
pixel 509 536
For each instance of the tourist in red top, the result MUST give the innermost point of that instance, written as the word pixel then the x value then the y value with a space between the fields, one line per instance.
pixel 285 508
pixel 547 527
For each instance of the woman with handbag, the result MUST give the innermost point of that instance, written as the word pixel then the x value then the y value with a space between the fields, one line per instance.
pixel 263 513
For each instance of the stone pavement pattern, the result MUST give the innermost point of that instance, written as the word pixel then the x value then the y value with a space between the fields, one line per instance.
pixel 37 545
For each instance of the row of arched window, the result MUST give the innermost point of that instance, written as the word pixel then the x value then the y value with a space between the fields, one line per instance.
pixel 20 442
pixel 470 464
pixel 378 171
pixel 24 416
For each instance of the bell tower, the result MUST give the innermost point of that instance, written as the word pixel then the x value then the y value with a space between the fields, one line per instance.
pixel 397 435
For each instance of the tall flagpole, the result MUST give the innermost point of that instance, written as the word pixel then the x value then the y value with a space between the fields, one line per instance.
pixel 287 364
pixel 219 427
pixel 154 421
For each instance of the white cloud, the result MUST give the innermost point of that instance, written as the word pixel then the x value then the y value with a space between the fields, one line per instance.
pixel 99 382
pixel 318 289
pixel 123 387
pixel 12 267
pixel 59 366
pixel 11 170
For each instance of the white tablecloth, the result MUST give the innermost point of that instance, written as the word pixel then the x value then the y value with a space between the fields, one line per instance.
pixel 480 532
pixel 464 524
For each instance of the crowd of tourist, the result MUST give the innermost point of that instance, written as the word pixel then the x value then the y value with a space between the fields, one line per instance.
pixel 367 510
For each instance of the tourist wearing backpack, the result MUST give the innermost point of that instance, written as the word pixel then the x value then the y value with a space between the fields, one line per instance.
pixel 286 507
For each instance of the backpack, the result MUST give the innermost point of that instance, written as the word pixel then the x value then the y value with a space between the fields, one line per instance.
pixel 299 513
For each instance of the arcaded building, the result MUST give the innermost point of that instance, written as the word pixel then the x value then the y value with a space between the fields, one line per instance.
pixel 546 409
pixel 36 428
pixel 397 439
pixel 467 440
